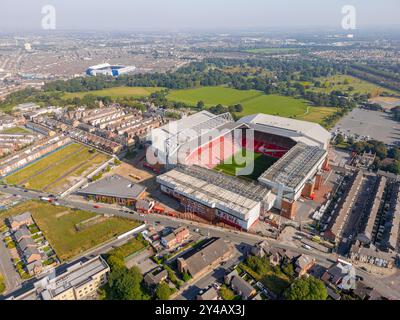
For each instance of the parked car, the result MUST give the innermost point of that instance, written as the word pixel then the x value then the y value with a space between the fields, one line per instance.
pixel 306 246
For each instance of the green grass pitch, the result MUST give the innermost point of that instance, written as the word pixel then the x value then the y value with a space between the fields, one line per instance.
pixel 261 164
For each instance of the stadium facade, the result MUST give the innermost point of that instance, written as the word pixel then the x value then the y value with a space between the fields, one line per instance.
pixel 192 149
pixel 109 70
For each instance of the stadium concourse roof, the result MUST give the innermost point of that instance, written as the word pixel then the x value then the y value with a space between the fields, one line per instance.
pixel 300 131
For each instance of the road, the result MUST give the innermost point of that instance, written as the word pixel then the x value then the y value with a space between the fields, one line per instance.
pixel 236 237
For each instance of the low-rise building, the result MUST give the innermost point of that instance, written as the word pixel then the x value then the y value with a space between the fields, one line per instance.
pixel 303 264
pixel 341 275
pixel 175 237
pixel 240 286
pixel 114 189
pixel 22 233
pixel 16 222
pixel 154 277
pixel 205 257
pixel 208 295
pixel 77 281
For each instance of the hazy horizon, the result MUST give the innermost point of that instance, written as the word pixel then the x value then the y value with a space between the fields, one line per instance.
pixel 177 15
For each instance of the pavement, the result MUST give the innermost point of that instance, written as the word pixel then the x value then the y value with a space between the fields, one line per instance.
pixel 11 276
pixel 238 238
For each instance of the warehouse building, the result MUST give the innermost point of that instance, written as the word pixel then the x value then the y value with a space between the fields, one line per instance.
pixel 114 189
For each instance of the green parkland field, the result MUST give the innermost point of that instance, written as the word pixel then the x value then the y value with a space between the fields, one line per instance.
pixel 253 102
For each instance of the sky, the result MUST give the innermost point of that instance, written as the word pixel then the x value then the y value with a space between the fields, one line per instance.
pixel 119 15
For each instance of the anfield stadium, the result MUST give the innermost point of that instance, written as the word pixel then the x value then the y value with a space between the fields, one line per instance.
pixel 232 172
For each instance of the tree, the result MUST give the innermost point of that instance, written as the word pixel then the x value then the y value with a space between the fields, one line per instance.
pixel 200 104
pixel 186 276
pixel 163 291
pixel 339 139
pixel 394 153
pixel 393 167
pixel 124 284
pixel 306 289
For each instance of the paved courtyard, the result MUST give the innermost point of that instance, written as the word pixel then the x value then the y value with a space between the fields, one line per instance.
pixel 377 125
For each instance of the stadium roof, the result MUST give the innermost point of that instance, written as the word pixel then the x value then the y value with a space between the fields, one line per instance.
pixel 215 189
pixel 300 131
pixel 295 166
pixel 114 186
pixel 170 137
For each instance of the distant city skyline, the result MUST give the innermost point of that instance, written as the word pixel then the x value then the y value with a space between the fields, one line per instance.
pixel 179 15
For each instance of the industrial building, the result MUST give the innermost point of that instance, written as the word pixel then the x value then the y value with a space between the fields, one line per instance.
pixel 206 140
pixel 109 70
pixel 114 189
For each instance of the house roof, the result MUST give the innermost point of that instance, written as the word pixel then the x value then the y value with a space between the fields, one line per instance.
pixel 210 294
pixel 21 233
pixel 205 255
pixel 114 186
pixel 31 266
pixel 303 261
pixel 154 277
pixel 31 251
pixel 242 286
pixel 171 236
pixel 26 243
pixel 21 217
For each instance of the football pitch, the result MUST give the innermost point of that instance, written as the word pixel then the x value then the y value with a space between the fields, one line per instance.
pixel 235 164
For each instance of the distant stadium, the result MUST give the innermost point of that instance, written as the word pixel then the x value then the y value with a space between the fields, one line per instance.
pixel 109 70
pixel 199 154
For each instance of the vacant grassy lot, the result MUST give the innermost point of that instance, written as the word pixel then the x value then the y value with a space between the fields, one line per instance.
pixel 15 130
pixel 116 92
pixel 261 164
pixel 131 247
pixel 55 170
pixel 345 82
pixel 59 227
